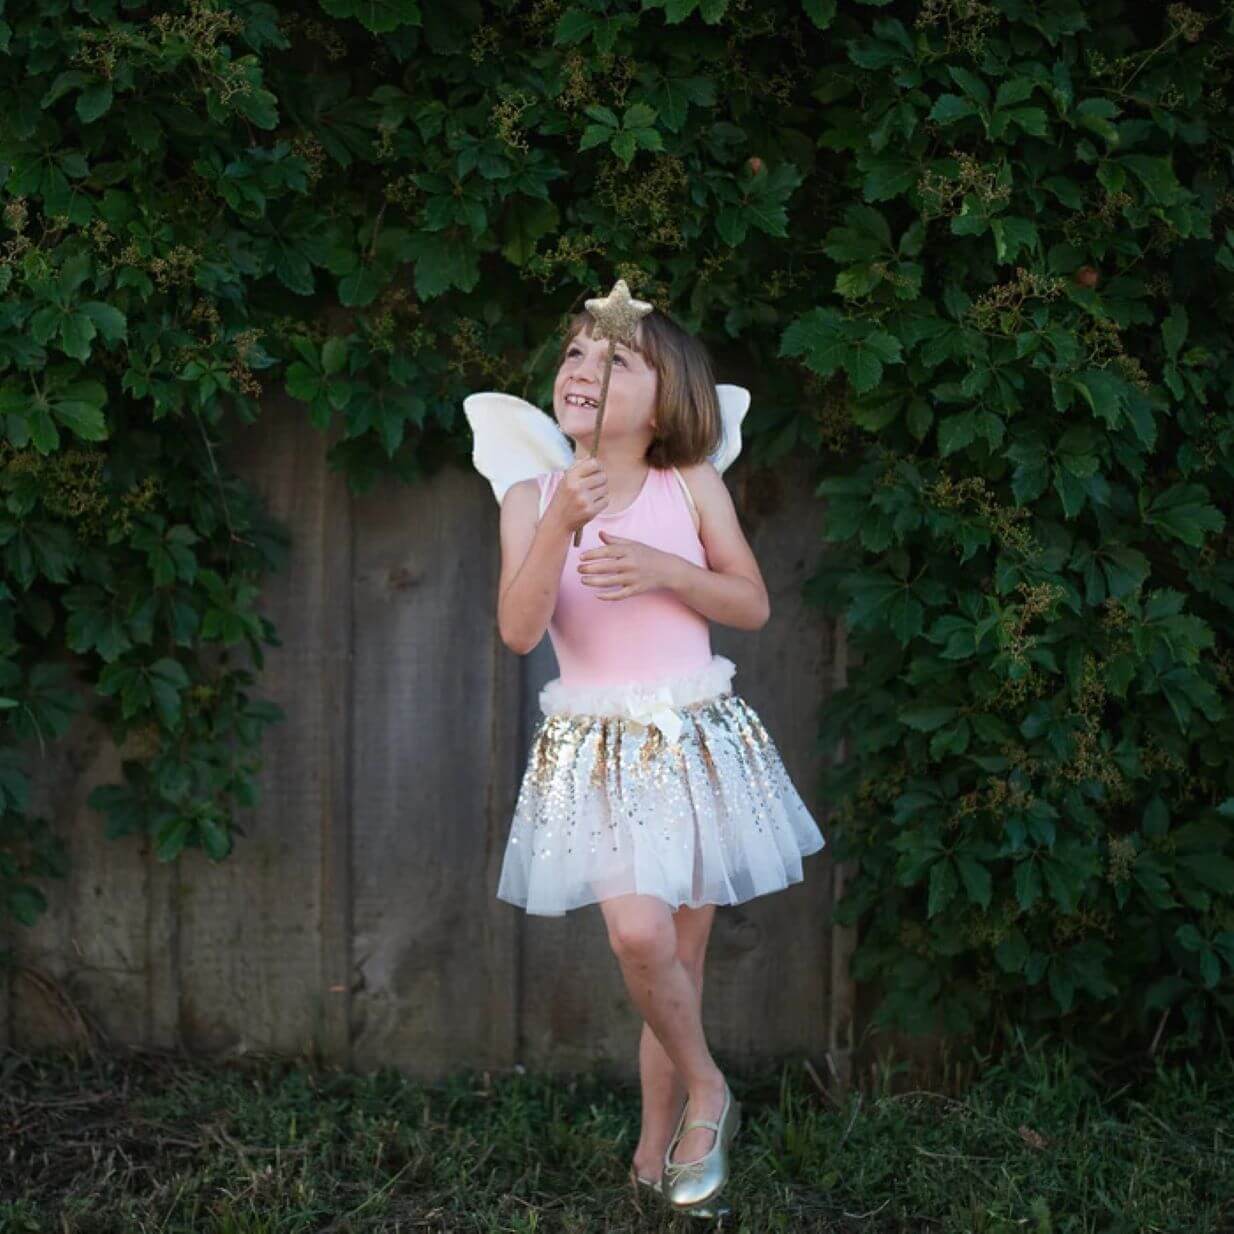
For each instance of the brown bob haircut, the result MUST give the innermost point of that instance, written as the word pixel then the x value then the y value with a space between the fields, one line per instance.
pixel 687 412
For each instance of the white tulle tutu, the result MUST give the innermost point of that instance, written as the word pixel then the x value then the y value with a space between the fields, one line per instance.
pixel 673 789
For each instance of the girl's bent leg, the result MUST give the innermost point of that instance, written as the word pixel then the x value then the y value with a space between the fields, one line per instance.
pixel 663 1089
pixel 643 937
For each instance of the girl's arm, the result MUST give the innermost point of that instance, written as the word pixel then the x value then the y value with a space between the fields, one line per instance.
pixel 532 557
pixel 731 589
pixel 534 554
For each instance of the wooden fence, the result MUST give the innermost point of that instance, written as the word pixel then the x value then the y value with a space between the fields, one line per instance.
pixel 357 919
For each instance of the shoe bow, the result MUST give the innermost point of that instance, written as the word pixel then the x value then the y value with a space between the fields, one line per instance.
pixel 685 1169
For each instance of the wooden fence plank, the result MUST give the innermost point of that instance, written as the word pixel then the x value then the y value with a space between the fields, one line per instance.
pixel 424 754
pixel 251 927
pixel 771 956
pixel 82 966
pixel 841 1034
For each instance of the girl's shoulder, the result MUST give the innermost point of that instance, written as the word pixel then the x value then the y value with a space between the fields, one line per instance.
pixel 541 479
pixel 699 477
pixel 708 492
pixel 528 485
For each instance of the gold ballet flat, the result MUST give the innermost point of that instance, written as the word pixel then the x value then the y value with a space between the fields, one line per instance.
pixel 686 1184
pixel 714 1209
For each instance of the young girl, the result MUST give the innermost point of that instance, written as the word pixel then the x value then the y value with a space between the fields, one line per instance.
pixel 652 788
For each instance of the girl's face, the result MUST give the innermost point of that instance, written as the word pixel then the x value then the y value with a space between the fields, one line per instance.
pixel 630 407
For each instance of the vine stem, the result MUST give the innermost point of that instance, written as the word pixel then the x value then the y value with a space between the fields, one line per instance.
pixel 1151 54
pixel 218 481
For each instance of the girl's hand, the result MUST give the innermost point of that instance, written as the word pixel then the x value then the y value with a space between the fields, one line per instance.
pixel 581 494
pixel 629 565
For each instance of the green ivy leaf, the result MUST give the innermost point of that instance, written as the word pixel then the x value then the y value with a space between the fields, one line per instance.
pixel 1027 882
pixel 94 101
pixel 171 837
pixel 573 26
pixel 672 97
pixel 977 881
pixel 594 135
pixel 526 220
pixel 956 432
pixel 376 16
pixel 1011 236
pixel 110 321
pixel 361 286
pixel 676 11
pixel 927 717
pixel 821 12
pixel 333 355
pixel 1012 953
pixel 1096 115
pixel 1174 330
pixel 215 839
pixel 950 108
pixel 1184 512
pixel 442 263
pixel 623 145
pixel 943 886
pixel 80 407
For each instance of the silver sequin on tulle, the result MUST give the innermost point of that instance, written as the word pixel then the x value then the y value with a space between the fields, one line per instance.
pixel 609 805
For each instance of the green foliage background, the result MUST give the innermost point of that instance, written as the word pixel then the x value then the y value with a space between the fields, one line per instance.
pixel 978 255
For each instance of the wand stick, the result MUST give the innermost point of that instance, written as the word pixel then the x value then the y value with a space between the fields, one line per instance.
pixel 595 437
pixel 616 317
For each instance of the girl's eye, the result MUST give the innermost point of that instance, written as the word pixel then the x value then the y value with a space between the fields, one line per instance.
pixel 574 351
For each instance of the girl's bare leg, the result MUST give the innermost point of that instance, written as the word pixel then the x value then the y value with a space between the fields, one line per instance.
pixel 643 936
pixel 662 1086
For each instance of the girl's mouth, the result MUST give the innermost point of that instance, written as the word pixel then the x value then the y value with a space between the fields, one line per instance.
pixel 580 400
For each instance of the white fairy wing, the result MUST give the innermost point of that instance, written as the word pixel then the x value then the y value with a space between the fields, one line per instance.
pixel 734 403
pixel 513 440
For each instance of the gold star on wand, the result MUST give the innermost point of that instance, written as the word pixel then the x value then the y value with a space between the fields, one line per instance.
pixel 617 317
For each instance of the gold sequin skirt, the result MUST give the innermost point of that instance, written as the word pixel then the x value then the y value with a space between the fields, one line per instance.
pixel 672 788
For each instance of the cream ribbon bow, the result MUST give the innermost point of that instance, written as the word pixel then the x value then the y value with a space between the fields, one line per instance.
pixel 657 709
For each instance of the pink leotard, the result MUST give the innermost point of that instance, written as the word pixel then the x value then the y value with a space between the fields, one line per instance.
pixel 646 637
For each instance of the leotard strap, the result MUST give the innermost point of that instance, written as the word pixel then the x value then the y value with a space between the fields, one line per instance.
pixel 544 480
pixel 685 489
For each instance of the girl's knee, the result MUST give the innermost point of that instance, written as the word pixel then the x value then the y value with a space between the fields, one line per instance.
pixel 641 937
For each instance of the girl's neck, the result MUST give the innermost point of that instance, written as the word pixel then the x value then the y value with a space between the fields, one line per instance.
pixel 620 465
pixel 625 476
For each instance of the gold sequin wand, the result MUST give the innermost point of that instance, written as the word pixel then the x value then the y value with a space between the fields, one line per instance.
pixel 617 317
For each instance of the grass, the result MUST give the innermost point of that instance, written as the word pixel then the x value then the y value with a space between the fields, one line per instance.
pixel 148 1142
